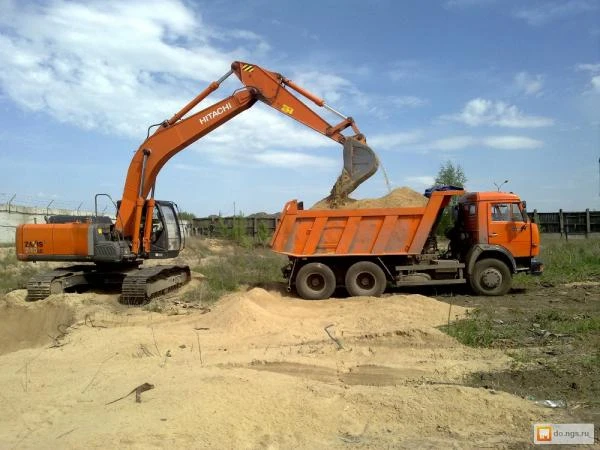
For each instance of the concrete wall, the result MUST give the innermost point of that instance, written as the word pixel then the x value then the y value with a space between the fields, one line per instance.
pixel 13 215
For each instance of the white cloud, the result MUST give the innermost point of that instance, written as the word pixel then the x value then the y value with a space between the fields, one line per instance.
pixel 546 12
pixel 480 111
pixel 407 101
pixel 120 66
pixel 345 96
pixel 405 69
pixel 496 142
pixel 328 86
pixel 452 143
pixel 511 142
pixel 393 141
pixel 415 140
pixel 117 66
pixel 594 70
pixel 589 67
pixel 294 160
pixel 529 84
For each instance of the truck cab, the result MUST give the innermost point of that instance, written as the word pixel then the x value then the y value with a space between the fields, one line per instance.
pixel 494 226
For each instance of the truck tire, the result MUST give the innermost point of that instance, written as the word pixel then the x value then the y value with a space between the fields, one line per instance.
pixel 315 281
pixel 365 278
pixel 490 277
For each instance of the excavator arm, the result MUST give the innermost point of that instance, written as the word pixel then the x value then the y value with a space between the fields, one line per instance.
pixel 178 132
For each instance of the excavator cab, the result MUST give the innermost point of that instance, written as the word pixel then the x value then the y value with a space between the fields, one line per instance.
pixel 166 239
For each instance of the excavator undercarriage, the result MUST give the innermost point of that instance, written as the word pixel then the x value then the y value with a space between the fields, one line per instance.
pixel 137 285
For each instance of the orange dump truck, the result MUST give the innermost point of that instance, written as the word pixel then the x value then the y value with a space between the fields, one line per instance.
pixel 365 250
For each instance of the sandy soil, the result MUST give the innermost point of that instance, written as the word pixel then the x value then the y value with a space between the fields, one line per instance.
pixel 400 197
pixel 257 371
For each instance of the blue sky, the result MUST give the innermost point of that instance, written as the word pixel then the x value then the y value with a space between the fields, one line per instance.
pixel 510 90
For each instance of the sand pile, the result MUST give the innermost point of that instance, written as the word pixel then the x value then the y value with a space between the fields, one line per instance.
pixel 400 197
pixel 257 371
pixel 30 325
pixel 248 313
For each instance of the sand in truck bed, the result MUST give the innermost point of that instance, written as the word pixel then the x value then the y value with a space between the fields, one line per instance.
pixel 400 197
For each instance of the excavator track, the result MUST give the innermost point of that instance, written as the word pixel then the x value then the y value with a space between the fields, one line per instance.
pixel 144 284
pixel 56 282
pixel 138 285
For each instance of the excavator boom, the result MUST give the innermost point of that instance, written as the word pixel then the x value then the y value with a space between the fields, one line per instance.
pixel 262 85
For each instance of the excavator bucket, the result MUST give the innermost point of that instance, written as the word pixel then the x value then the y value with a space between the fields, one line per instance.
pixel 360 162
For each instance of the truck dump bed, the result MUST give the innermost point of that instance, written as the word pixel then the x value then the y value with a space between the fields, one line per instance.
pixel 382 231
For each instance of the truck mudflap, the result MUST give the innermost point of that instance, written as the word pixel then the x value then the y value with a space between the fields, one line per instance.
pixel 537 267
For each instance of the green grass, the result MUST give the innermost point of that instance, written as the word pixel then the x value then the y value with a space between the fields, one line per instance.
pixel 13 273
pixel 562 322
pixel 473 331
pixel 230 272
pixel 591 362
pixel 565 262
pixel 481 329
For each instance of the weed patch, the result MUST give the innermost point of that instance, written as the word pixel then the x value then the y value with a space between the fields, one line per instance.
pixel 228 273
pixel 13 273
pixel 565 262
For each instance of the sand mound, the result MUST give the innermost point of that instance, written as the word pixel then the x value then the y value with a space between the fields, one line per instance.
pixel 400 197
pixel 246 313
pixel 31 325
pixel 257 371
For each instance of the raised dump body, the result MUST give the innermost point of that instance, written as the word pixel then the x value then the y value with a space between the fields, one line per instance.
pixel 358 232
pixel 364 250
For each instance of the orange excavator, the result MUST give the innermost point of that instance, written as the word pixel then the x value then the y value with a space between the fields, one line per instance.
pixel 146 228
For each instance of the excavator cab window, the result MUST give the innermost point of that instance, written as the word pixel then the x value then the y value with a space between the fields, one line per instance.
pixel 166 241
pixel 158 227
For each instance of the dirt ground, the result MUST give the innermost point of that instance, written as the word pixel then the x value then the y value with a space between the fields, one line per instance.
pixel 263 369
pixel 258 370
pixel 547 364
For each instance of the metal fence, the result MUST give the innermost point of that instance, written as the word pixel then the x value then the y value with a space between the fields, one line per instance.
pixel 254 226
pixel 565 223
pixel 10 202
pixel 582 223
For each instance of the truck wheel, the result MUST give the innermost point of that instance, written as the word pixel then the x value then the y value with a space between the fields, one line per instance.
pixel 490 277
pixel 365 278
pixel 315 281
